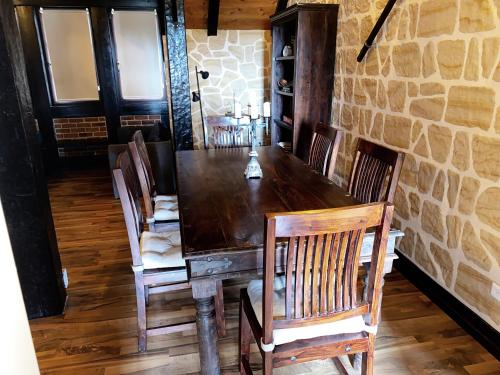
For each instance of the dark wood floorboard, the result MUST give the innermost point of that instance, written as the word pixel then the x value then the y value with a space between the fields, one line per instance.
pixel 97 333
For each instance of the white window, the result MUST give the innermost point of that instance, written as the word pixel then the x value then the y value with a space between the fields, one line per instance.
pixel 70 54
pixel 139 57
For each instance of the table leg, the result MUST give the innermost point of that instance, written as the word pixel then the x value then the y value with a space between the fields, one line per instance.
pixel 203 294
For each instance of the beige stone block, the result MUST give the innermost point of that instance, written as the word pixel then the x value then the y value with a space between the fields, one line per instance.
pixel 372 68
pixel 497 3
pixel 361 6
pixel 471 72
pixel 392 23
pixel 432 88
pixel 381 95
pixel 409 171
pixel 401 205
pixel 461 151
pixel 230 63
pixel 406 59
pixel 454 226
pixel 348 89
pixel 414 204
pixel 366 27
pixel 407 243
pixel 453 185
pixel 350 60
pixel 421 147
pixel 437 17
pixel 397 131
pixel 370 86
pixel 351 32
pixel 450 57
pixel 444 261
pixel 490 54
pixel 470 106
pixel 413 20
pixel 232 36
pixel 497 121
pixel 359 94
pixel 249 37
pixel 218 42
pixel 426 174
pixel 486 157
pixel 440 141
pixel 492 244
pixel 238 52
pixel 468 195
pixel 496 74
pixel 412 89
pixel 383 54
pixel 214 66
pixel 249 50
pixel 198 35
pixel 423 259
pixel 429 60
pixel 488 207
pixel 476 15
pixel 416 130
pixel 249 70
pixel 404 24
pixel 396 93
pixel 475 289
pixel 472 248
pixel 438 189
pixel 428 108
pixel 346 119
pixel 378 126
pixel 432 220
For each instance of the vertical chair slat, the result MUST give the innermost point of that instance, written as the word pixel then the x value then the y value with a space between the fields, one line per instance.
pixel 340 270
pixel 354 277
pixel 307 275
pixel 289 277
pixel 324 274
pixel 318 252
pixel 332 269
pixel 299 277
pixel 348 266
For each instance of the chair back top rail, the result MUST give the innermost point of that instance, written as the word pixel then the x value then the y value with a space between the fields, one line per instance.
pixel 322 261
pixel 140 158
pixel 324 149
pixel 375 172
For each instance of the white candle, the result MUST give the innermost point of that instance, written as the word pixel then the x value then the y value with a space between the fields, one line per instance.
pixel 237 110
pixel 267 109
pixel 254 112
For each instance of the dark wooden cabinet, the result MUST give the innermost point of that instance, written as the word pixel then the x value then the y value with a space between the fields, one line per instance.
pixel 311 31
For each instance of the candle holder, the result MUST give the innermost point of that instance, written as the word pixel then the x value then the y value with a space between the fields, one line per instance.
pixel 253 169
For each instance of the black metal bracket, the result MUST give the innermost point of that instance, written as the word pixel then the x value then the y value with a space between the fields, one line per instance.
pixel 376 29
pixel 213 17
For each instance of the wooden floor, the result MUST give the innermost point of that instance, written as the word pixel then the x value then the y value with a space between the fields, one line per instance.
pixel 97 333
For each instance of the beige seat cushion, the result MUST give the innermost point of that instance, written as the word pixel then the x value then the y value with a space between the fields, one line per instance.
pixel 168 198
pixel 166 209
pixel 283 336
pixel 161 250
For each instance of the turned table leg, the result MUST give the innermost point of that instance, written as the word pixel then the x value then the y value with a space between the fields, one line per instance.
pixel 203 294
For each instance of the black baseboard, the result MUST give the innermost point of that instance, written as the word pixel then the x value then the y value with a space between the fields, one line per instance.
pixel 473 324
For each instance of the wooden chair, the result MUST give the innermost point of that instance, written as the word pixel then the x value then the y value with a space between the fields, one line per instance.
pixel 375 172
pixel 313 311
pixel 230 136
pixel 156 258
pixel 162 212
pixel 324 149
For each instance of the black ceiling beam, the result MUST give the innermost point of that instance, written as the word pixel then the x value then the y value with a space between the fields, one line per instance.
pixel 89 3
pixel 213 17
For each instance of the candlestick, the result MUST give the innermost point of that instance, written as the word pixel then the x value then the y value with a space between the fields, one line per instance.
pixel 267 109
pixel 254 112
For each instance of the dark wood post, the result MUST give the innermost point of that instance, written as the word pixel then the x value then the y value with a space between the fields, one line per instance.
pixel 180 97
pixel 23 189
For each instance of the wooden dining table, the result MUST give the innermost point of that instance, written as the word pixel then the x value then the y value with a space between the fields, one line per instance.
pixel 222 221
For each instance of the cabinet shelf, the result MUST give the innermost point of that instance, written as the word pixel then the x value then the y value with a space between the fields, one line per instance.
pixel 284 58
pixel 283 124
pixel 290 94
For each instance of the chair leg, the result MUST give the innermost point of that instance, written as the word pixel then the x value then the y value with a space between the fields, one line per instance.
pixel 141 310
pixel 367 361
pixel 146 294
pixel 245 334
pixel 219 310
pixel 267 365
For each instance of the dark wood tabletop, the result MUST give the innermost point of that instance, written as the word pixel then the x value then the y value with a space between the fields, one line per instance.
pixel 221 211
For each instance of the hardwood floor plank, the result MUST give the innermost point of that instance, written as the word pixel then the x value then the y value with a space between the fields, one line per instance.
pixel 97 335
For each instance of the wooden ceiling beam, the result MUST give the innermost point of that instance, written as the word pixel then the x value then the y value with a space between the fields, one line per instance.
pixel 213 17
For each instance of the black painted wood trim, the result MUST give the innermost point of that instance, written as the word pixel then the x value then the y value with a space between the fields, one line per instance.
pixel 472 323
pixel 281 5
pixel 180 96
pixel 213 17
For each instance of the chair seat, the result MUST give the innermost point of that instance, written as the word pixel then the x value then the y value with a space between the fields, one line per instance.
pixel 166 208
pixel 161 250
pixel 355 324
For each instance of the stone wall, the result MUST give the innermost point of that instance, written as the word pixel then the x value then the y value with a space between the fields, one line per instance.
pixel 238 61
pixel 430 87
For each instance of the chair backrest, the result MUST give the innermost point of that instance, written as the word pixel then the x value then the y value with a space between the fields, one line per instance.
pixel 229 136
pixel 126 183
pixel 322 261
pixel 324 149
pixel 375 172
pixel 140 158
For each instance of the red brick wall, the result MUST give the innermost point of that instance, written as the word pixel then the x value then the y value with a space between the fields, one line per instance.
pixel 139 120
pixel 78 128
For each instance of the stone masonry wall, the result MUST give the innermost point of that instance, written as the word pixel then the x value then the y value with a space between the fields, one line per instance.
pixel 238 61
pixel 430 87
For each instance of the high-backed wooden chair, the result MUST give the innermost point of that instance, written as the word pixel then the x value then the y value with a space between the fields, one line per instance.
pixel 156 258
pixel 324 149
pixel 375 172
pixel 314 312
pixel 230 136
pixel 162 212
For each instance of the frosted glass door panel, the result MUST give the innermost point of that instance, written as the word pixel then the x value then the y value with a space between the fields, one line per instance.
pixel 69 50
pixel 139 56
